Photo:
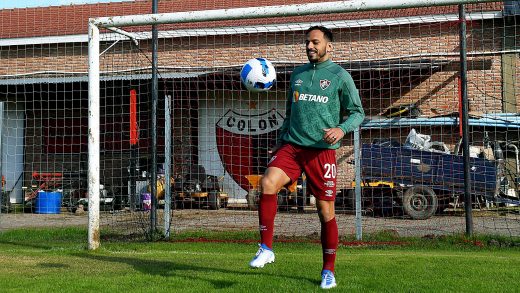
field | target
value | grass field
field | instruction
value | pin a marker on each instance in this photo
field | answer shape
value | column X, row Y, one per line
column 56, row 260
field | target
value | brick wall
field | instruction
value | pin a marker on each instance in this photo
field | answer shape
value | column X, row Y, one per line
column 436, row 94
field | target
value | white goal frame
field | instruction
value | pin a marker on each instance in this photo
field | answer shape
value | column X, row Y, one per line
column 114, row 24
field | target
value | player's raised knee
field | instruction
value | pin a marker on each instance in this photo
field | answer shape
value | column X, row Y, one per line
column 268, row 184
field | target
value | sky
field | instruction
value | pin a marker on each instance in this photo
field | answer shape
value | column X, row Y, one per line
column 43, row 3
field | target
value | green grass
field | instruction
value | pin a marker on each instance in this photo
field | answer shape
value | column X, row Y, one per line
column 57, row 261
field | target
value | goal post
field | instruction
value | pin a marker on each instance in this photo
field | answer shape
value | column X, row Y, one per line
column 93, row 180
column 118, row 23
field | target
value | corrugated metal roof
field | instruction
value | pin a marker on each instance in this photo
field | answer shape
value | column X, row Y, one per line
column 176, row 73
column 84, row 78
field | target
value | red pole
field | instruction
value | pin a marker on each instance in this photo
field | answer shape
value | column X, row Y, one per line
column 134, row 140
column 134, row 134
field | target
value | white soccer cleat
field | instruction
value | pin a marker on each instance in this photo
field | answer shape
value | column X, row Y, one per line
column 263, row 256
column 327, row 280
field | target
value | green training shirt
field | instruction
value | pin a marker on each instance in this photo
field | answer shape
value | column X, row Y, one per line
column 318, row 94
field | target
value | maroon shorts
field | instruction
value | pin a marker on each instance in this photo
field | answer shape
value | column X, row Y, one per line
column 319, row 166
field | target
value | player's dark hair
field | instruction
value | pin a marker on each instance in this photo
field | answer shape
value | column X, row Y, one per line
column 326, row 32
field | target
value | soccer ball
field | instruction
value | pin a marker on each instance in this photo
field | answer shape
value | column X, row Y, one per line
column 258, row 75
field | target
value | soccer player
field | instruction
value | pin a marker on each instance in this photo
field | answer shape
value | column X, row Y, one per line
column 319, row 92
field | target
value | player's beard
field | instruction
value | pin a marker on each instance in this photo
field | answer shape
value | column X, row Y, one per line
column 316, row 57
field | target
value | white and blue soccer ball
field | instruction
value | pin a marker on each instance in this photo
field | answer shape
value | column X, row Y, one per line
column 258, row 75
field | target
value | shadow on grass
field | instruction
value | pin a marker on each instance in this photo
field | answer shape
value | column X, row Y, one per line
column 53, row 265
column 169, row 268
column 27, row 245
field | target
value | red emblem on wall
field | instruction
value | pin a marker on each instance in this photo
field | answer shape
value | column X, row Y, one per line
column 243, row 142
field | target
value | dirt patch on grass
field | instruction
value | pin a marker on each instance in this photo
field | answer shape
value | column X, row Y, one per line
column 287, row 224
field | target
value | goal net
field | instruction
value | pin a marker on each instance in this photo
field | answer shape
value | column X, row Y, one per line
column 213, row 137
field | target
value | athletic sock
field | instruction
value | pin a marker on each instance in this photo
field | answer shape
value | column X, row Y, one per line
column 329, row 243
column 266, row 213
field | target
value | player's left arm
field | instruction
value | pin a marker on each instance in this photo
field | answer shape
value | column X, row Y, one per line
column 351, row 103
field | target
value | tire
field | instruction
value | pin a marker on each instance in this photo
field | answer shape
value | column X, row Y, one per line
column 344, row 199
column 214, row 200
column 300, row 203
column 177, row 202
column 252, row 199
column 282, row 202
column 420, row 202
column 350, row 199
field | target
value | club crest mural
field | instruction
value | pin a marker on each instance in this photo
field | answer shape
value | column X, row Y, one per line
column 243, row 142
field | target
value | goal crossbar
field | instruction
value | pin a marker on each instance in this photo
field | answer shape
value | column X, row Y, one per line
column 270, row 11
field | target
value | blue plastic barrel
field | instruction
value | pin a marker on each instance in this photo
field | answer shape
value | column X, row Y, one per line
column 48, row 202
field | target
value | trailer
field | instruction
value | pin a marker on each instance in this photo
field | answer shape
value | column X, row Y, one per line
column 424, row 182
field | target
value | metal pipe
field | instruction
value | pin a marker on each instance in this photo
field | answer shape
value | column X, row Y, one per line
column 109, row 47
column 468, row 202
column 131, row 36
column 271, row 11
column 357, row 164
column 155, row 97
column 167, row 163
column 1, row 156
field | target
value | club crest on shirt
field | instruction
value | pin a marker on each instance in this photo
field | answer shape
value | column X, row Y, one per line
column 324, row 83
